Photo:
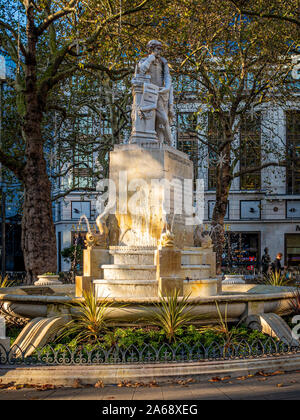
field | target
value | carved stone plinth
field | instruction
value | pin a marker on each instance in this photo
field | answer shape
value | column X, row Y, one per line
column 150, row 166
column 83, row 284
column 168, row 271
column 93, row 258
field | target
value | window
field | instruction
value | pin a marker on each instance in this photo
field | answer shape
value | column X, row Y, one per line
column 211, row 205
column 292, row 249
column 293, row 209
column 293, row 151
column 78, row 239
column 250, row 209
column 78, row 208
column 242, row 250
column 58, row 212
column 187, row 141
column 250, row 151
column 82, row 172
column 214, row 137
column 185, row 84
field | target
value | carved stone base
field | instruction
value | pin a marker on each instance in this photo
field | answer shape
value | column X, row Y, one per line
column 45, row 280
column 272, row 325
column 4, row 345
column 83, row 284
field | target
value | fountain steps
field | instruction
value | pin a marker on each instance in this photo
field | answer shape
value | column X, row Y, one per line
column 116, row 272
column 191, row 256
column 149, row 288
column 128, row 272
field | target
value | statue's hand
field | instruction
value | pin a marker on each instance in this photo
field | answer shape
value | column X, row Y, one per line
column 164, row 90
column 152, row 57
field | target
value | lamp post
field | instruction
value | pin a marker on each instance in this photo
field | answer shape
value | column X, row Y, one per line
column 2, row 192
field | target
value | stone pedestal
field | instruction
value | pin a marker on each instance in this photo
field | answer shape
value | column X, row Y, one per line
column 168, row 271
column 93, row 258
column 139, row 173
column 83, row 284
column 4, row 347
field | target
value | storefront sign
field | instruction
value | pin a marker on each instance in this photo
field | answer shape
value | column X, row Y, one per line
column 208, row 227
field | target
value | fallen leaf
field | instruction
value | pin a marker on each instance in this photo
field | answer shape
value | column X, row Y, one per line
column 153, row 384
column 77, row 383
column 99, row 384
column 215, row 379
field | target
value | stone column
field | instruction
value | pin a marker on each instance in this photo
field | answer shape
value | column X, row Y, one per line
column 93, row 258
column 168, row 272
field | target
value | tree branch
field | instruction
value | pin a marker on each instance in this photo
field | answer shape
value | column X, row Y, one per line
column 7, row 27
column 55, row 16
column 13, row 164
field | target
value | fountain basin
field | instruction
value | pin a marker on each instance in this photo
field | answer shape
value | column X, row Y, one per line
column 239, row 300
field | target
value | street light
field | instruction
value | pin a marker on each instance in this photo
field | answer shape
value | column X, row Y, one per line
column 2, row 192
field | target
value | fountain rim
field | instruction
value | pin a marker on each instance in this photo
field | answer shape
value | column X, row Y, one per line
column 226, row 298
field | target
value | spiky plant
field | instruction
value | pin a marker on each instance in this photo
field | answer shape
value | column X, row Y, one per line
column 4, row 282
column 90, row 321
column 276, row 278
column 171, row 314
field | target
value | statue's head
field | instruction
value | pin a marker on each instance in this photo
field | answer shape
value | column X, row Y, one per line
column 154, row 46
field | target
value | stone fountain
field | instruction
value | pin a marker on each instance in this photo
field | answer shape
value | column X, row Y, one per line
column 144, row 263
column 144, row 247
column 145, row 175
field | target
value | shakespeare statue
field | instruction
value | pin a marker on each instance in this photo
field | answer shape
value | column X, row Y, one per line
column 152, row 109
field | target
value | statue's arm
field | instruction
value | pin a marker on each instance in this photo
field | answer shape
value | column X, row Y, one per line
column 145, row 63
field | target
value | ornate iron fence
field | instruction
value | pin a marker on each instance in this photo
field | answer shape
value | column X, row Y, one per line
column 165, row 353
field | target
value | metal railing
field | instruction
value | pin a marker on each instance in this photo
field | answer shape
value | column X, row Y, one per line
column 165, row 353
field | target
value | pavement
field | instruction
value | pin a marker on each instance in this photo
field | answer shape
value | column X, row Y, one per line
column 275, row 386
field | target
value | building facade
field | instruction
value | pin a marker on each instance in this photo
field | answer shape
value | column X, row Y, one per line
column 263, row 207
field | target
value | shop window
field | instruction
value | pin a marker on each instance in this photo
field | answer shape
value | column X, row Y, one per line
column 292, row 250
column 242, row 250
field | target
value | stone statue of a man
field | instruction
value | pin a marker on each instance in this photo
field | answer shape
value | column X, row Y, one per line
column 157, row 68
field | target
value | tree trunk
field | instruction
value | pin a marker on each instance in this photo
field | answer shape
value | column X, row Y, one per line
column 223, row 177
column 38, row 232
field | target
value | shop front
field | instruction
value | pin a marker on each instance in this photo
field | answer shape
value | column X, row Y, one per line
column 242, row 250
column 292, row 249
